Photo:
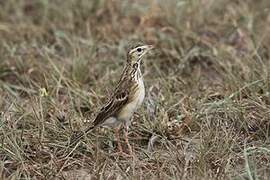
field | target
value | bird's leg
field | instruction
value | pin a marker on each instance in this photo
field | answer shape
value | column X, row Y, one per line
column 119, row 145
column 126, row 139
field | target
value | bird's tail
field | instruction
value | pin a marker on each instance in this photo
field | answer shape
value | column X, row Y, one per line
column 77, row 137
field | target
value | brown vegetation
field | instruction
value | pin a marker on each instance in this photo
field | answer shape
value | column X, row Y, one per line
column 207, row 109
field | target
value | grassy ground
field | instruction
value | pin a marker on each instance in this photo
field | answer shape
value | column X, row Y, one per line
column 206, row 114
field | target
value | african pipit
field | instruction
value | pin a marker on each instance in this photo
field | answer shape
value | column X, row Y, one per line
column 125, row 99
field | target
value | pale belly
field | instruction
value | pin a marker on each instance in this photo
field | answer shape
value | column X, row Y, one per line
column 130, row 108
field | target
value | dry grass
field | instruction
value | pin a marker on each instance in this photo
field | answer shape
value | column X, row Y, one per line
column 207, row 110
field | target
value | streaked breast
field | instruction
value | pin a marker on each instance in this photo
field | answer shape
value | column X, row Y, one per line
column 136, row 99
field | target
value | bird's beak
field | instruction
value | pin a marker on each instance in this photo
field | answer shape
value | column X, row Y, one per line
column 146, row 48
column 149, row 47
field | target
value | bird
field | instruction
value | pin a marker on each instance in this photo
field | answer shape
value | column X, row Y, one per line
column 125, row 100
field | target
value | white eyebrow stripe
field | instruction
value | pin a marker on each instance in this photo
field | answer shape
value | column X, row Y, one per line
column 135, row 49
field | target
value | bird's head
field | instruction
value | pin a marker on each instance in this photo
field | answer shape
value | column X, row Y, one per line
column 135, row 54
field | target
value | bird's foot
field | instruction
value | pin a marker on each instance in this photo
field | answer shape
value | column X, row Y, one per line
column 122, row 154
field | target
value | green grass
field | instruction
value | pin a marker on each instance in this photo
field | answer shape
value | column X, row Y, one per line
column 206, row 114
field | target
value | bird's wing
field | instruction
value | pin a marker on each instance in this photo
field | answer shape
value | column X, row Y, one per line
column 117, row 101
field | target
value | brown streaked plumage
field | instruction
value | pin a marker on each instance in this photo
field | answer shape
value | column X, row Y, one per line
column 125, row 99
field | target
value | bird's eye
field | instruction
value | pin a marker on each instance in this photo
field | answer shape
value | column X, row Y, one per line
column 139, row 49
